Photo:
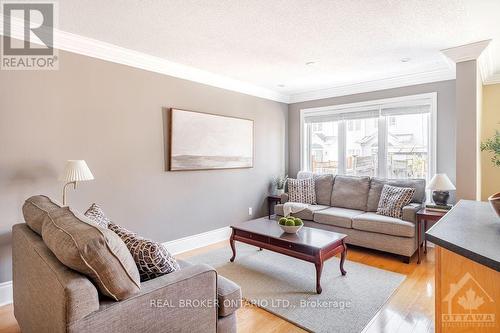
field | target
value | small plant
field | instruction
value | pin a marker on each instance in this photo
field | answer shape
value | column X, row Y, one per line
column 279, row 182
column 283, row 220
column 492, row 145
column 290, row 222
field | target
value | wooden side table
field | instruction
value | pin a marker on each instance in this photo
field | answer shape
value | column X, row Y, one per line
column 425, row 216
column 272, row 200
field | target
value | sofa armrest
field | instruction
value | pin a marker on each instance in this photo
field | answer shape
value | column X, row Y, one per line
column 410, row 212
column 183, row 301
column 47, row 294
column 284, row 198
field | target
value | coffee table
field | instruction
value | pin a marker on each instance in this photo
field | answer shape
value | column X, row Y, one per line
column 309, row 244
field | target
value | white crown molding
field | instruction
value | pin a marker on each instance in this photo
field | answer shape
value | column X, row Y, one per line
column 101, row 50
column 363, row 87
column 5, row 293
column 466, row 52
column 494, row 79
column 476, row 51
column 196, row 241
column 486, row 66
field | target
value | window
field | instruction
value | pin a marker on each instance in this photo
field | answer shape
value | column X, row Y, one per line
column 390, row 138
column 362, row 149
column 407, row 149
column 317, row 127
column 324, row 147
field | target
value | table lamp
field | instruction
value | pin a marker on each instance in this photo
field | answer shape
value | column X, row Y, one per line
column 440, row 184
column 75, row 171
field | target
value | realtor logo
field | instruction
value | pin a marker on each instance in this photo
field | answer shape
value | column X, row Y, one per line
column 468, row 305
column 28, row 36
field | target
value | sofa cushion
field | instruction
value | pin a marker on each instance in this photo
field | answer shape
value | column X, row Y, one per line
column 35, row 210
column 151, row 258
column 340, row 217
column 383, row 224
column 393, row 199
column 323, row 185
column 228, row 296
column 302, row 190
column 95, row 252
column 350, row 192
column 376, row 185
column 306, row 214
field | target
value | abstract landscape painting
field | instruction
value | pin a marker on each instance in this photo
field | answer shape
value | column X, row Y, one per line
column 202, row 141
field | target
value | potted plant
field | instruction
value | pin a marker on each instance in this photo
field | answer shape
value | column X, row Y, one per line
column 279, row 183
column 492, row 145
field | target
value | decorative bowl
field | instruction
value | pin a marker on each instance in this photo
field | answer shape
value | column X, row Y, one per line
column 291, row 229
column 495, row 203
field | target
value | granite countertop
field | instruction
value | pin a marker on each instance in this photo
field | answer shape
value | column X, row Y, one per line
column 470, row 229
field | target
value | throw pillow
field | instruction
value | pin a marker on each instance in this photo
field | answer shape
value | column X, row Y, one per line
column 152, row 258
column 35, row 210
column 95, row 252
column 96, row 214
column 393, row 199
column 302, row 190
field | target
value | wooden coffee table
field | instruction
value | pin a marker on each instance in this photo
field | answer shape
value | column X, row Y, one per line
column 309, row 244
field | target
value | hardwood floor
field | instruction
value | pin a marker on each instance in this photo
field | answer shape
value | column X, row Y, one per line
column 410, row 309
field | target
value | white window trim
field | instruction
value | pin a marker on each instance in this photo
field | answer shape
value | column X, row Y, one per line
column 335, row 109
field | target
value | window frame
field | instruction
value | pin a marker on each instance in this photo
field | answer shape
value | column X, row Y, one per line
column 383, row 128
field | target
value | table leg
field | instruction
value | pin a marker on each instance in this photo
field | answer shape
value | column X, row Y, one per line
column 342, row 258
column 269, row 209
column 319, row 268
column 425, row 238
column 419, row 234
column 233, row 248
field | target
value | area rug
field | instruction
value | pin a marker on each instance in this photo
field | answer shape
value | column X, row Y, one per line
column 286, row 287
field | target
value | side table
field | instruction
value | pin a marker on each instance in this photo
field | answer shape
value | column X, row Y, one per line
column 272, row 200
column 425, row 216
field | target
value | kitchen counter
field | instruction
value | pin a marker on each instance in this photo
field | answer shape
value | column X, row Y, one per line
column 472, row 230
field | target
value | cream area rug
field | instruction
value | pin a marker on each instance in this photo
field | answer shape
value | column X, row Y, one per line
column 286, row 287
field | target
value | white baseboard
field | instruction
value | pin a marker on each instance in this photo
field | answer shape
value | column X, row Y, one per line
column 5, row 293
column 175, row 247
column 196, row 241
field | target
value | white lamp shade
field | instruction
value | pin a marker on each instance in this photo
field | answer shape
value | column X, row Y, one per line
column 76, row 170
column 440, row 182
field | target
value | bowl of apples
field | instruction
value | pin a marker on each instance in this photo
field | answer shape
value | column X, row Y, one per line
column 290, row 225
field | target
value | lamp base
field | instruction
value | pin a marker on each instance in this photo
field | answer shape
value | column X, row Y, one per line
column 440, row 197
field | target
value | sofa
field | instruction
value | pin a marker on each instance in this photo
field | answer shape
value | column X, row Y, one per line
column 50, row 297
column 348, row 205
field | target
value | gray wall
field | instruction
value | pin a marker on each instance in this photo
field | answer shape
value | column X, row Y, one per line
column 445, row 120
column 111, row 116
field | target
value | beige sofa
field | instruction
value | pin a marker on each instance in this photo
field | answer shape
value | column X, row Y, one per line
column 50, row 297
column 348, row 205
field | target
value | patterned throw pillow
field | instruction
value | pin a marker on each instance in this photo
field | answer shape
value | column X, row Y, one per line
column 393, row 199
column 152, row 258
column 302, row 190
column 96, row 214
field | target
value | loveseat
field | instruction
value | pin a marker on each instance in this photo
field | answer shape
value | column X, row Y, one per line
column 348, row 204
column 50, row 297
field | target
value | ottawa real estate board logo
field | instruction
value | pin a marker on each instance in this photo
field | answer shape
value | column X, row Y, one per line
column 468, row 305
column 28, row 35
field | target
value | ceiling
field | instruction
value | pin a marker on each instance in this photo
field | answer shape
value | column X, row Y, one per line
column 269, row 43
